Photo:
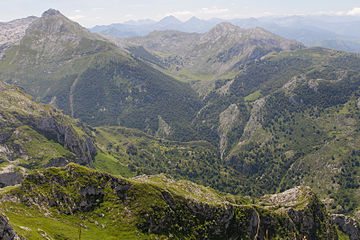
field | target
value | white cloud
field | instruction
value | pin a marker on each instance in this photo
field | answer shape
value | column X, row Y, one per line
column 129, row 16
column 138, row 5
column 181, row 13
column 78, row 11
column 77, row 17
column 333, row 13
column 214, row 10
column 202, row 13
column 353, row 12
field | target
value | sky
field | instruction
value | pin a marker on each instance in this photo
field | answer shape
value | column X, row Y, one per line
column 102, row 12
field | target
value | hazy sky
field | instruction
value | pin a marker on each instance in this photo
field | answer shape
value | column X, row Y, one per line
column 98, row 12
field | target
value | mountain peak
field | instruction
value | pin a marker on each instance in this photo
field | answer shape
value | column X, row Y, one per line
column 170, row 19
column 51, row 12
column 193, row 18
column 225, row 27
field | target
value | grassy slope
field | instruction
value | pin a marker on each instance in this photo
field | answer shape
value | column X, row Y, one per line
column 28, row 144
column 142, row 153
column 144, row 204
column 209, row 56
column 306, row 136
column 59, row 61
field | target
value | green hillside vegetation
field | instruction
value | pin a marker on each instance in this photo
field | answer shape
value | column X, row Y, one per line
column 60, row 62
column 86, row 204
column 34, row 135
column 268, row 120
column 145, row 154
column 306, row 129
column 209, row 56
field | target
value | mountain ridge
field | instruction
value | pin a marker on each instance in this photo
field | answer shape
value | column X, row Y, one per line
column 327, row 31
column 216, row 52
column 58, row 60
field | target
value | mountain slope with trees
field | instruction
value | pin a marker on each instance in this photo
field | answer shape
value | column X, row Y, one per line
column 59, row 62
column 273, row 115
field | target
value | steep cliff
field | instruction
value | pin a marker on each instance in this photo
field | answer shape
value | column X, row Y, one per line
column 6, row 230
column 34, row 135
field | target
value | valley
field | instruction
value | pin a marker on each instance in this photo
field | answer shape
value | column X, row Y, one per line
column 228, row 134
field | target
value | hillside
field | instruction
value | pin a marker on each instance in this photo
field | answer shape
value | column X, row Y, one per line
column 12, row 32
column 95, row 204
column 329, row 31
column 295, row 122
column 207, row 56
column 144, row 154
column 34, row 135
column 263, row 114
column 59, row 62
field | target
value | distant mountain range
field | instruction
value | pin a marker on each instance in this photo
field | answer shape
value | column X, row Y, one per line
column 218, row 52
column 334, row 32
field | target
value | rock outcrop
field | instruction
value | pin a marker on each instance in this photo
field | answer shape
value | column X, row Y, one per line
column 227, row 121
column 90, row 192
column 66, row 135
column 10, row 178
column 348, row 225
column 12, row 32
column 23, row 123
column 6, row 230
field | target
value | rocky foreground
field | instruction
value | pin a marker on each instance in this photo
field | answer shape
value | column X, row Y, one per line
column 158, row 207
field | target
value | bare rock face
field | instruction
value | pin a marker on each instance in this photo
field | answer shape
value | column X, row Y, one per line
column 10, row 178
column 66, row 136
column 55, row 34
column 348, row 225
column 255, row 120
column 164, row 129
column 17, row 110
column 12, row 32
column 6, row 230
column 228, row 120
column 306, row 211
column 51, row 12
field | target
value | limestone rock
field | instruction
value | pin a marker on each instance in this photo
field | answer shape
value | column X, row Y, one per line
column 347, row 225
column 6, row 230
